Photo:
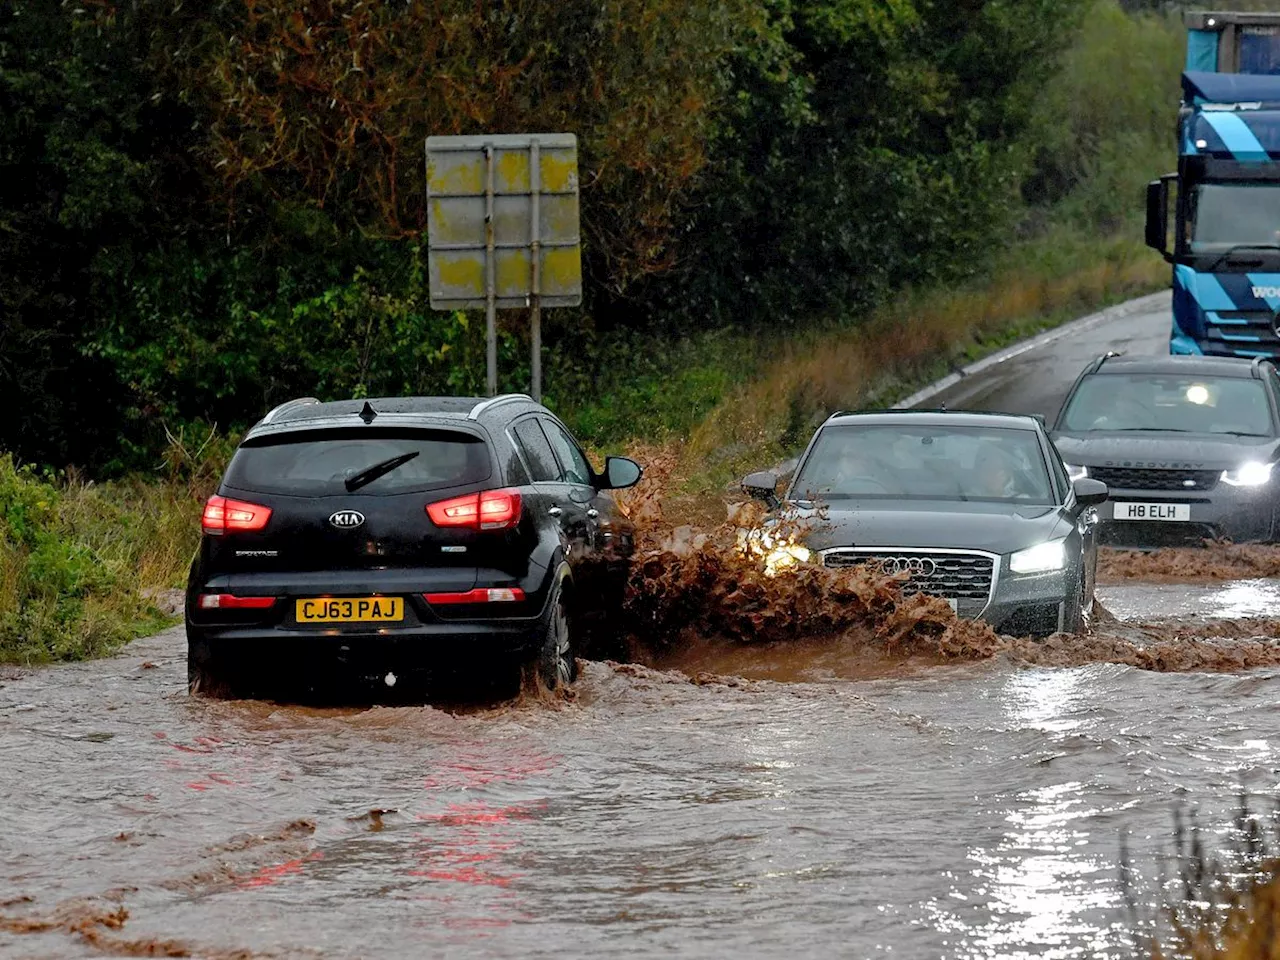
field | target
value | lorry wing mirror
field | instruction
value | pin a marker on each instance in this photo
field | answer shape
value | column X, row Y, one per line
column 1158, row 214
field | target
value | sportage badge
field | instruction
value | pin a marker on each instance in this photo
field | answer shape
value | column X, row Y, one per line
column 347, row 519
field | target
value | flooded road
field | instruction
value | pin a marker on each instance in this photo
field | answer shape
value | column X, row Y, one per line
column 952, row 811
column 810, row 798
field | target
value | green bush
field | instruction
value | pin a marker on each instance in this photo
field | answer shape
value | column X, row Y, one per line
column 71, row 558
column 234, row 201
column 1105, row 125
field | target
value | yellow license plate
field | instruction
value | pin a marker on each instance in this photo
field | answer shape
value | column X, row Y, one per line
column 350, row 610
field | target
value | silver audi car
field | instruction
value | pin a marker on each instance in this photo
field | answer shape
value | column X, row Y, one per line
column 975, row 508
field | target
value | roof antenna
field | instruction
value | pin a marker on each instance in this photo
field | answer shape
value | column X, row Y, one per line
column 943, row 406
column 368, row 413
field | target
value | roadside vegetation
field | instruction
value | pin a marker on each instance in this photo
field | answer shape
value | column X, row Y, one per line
column 765, row 239
column 1221, row 899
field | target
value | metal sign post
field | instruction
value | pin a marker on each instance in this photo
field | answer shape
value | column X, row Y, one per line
column 502, row 231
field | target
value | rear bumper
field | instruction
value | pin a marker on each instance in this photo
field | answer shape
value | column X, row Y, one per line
column 450, row 640
column 462, row 640
column 1238, row 514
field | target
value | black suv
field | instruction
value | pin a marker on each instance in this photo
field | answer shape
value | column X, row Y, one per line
column 1187, row 446
column 403, row 538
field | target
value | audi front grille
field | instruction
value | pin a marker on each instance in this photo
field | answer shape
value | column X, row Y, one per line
column 954, row 575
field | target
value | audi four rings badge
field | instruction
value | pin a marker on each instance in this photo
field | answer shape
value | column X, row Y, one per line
column 916, row 566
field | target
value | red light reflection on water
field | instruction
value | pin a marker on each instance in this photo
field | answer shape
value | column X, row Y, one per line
column 469, row 772
column 469, row 842
column 269, row 875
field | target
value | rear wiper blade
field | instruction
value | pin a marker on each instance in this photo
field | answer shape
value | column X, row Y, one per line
column 1232, row 250
column 1152, row 430
column 370, row 474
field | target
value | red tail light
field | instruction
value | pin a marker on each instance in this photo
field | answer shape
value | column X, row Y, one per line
column 486, row 510
column 233, row 516
column 229, row 601
column 481, row 595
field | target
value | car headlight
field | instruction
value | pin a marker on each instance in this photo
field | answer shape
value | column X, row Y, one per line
column 1252, row 474
column 779, row 552
column 784, row 557
column 1076, row 473
column 1042, row 558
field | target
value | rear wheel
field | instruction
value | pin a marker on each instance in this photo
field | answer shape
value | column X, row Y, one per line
column 557, row 661
column 207, row 674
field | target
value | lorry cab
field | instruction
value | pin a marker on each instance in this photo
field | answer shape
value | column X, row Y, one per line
column 1233, row 42
column 1225, row 244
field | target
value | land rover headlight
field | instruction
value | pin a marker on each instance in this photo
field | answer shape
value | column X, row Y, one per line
column 1075, row 472
column 1042, row 558
column 1252, row 474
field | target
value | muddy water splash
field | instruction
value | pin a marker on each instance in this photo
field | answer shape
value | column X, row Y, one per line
column 695, row 594
column 1213, row 562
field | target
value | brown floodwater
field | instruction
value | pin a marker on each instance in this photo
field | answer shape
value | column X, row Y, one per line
column 860, row 795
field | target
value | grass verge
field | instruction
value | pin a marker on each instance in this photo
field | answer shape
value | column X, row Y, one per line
column 81, row 563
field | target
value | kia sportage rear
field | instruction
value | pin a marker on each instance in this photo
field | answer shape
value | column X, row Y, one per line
column 397, row 540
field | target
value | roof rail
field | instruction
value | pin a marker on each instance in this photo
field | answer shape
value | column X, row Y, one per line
column 484, row 405
column 297, row 402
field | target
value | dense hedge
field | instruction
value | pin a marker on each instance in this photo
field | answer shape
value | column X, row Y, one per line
column 206, row 208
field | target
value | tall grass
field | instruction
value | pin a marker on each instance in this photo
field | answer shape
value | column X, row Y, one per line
column 1222, row 901
column 82, row 564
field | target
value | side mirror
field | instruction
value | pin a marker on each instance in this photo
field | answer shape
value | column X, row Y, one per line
column 1089, row 492
column 1157, row 233
column 762, row 486
column 620, row 473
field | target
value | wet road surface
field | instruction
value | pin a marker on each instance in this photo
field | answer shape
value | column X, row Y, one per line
column 806, row 799
column 1037, row 380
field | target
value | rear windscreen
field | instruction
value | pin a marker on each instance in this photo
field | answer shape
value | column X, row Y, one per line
column 316, row 463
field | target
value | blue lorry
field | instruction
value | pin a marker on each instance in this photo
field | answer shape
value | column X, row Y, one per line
column 1225, row 247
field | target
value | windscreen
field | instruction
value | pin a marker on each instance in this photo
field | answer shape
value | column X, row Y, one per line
column 319, row 463
column 905, row 462
column 1224, row 215
column 1169, row 403
column 1260, row 49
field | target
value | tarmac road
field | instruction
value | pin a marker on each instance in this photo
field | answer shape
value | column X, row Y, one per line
column 1034, row 377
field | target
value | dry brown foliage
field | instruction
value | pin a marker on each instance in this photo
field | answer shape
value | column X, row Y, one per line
column 318, row 101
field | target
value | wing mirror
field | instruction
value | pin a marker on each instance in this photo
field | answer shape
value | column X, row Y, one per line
column 620, row 473
column 762, row 485
column 1157, row 232
column 1089, row 492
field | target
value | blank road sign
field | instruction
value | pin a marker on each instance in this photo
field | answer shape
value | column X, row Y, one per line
column 458, row 200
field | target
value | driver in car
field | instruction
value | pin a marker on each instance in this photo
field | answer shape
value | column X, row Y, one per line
column 995, row 478
column 857, row 473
